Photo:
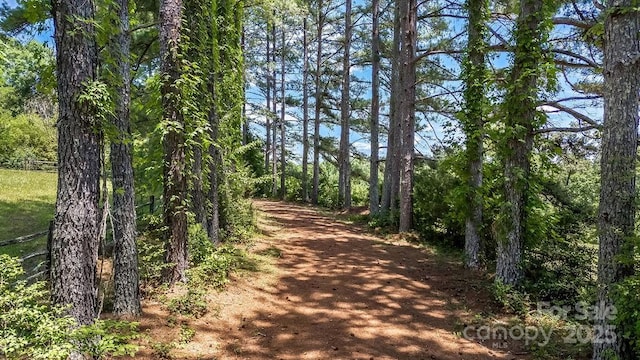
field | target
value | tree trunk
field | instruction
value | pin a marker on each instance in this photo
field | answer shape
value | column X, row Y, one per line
column 195, row 25
column 125, row 253
column 318, row 108
column 175, row 181
column 520, row 117
column 283, row 105
column 475, row 72
column 76, row 224
column 391, row 184
column 344, row 166
column 305, row 113
column 617, row 210
column 408, row 18
column 267, row 152
column 213, row 220
column 197, row 190
column 375, row 109
column 274, row 111
column 215, row 165
column 245, row 120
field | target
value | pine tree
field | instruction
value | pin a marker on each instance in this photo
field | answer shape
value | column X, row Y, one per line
column 125, row 253
column 76, row 225
column 475, row 75
column 175, row 180
column 617, row 211
column 374, row 201
column 406, row 107
column 520, row 118
column 344, row 157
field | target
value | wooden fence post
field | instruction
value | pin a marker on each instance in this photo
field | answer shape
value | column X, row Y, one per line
column 152, row 204
column 49, row 248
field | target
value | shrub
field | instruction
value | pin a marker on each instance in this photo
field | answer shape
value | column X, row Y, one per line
column 199, row 246
column 560, row 270
column 32, row 329
column 151, row 250
column 237, row 216
column 193, row 303
column 327, row 190
column 437, row 209
column 25, row 138
column 627, row 300
column 214, row 269
column 510, row 298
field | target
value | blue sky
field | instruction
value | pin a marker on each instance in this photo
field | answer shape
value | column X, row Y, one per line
column 44, row 37
column 360, row 141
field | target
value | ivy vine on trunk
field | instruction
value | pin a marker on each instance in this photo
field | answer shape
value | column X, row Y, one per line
column 475, row 75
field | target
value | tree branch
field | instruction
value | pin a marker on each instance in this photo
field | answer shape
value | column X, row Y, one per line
column 143, row 26
column 562, row 20
column 577, row 56
column 574, row 113
column 564, row 129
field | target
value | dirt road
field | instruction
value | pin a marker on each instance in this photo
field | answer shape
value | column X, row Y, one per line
column 338, row 293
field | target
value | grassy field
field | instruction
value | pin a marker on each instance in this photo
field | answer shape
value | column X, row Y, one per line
column 27, row 204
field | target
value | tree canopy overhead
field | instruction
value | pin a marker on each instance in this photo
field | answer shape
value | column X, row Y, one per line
column 503, row 129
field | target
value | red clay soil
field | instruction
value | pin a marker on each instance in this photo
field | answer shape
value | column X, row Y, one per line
column 336, row 293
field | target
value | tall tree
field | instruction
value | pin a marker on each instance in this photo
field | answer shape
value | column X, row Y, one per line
column 305, row 111
column 375, row 108
column 197, row 184
column 226, row 92
column 215, row 163
column 283, row 106
column 195, row 47
column 267, row 153
column 391, row 183
column 175, row 181
column 318, row 105
column 407, row 107
column 274, row 111
column 125, row 253
column 76, row 224
column 344, row 163
column 520, row 118
column 617, row 211
column 245, row 120
column 475, row 77
column 215, row 156
column 194, row 36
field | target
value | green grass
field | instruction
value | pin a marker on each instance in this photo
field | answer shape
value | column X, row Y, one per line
column 27, row 204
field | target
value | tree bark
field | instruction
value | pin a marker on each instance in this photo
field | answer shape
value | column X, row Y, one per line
column 76, row 224
column 318, row 108
column 475, row 94
column 215, row 164
column 391, row 184
column 175, row 181
column 283, row 105
column 196, row 27
column 344, row 166
column 305, row 112
column 267, row 152
column 274, row 111
column 520, row 117
column 408, row 18
column 197, row 189
column 617, row 210
column 125, row 253
column 245, row 120
column 374, row 201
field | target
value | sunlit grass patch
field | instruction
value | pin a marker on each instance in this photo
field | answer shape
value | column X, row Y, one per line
column 27, row 204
